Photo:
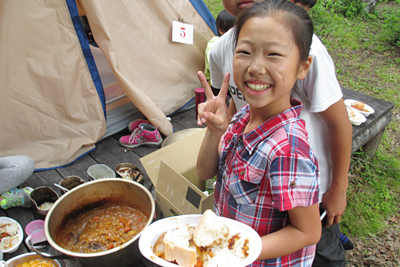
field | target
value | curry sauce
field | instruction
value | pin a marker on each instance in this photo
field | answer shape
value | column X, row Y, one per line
column 101, row 228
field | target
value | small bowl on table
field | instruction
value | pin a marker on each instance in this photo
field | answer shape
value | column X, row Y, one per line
column 130, row 172
column 355, row 117
column 100, row 171
column 366, row 111
column 70, row 182
column 20, row 234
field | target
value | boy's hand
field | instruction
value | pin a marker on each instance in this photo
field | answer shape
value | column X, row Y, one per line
column 213, row 112
column 334, row 202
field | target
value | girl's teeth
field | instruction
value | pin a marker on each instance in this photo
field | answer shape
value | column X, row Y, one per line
column 258, row 87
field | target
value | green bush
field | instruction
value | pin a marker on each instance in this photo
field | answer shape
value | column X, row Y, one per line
column 352, row 8
column 348, row 8
column 329, row 17
column 391, row 29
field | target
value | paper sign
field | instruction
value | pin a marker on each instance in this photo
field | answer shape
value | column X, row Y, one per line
column 182, row 32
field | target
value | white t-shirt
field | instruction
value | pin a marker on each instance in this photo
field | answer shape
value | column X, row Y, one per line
column 318, row 91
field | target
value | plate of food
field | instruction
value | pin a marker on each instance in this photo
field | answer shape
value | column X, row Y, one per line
column 355, row 116
column 361, row 107
column 11, row 235
column 200, row 240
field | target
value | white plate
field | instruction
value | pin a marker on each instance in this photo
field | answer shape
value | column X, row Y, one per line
column 349, row 102
column 20, row 234
column 357, row 119
column 151, row 233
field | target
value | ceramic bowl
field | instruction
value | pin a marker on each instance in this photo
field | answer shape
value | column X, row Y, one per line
column 20, row 234
column 355, row 116
column 366, row 111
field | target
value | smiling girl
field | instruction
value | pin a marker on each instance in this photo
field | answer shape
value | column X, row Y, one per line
column 267, row 173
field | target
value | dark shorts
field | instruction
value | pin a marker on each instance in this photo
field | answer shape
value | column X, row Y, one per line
column 330, row 251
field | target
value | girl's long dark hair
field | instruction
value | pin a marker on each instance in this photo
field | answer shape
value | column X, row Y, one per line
column 293, row 16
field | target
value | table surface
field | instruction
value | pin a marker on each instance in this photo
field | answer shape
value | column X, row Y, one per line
column 375, row 123
column 111, row 153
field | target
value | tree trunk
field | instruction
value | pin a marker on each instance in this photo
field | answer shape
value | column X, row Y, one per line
column 370, row 5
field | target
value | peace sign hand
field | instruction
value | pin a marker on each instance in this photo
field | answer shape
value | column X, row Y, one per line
column 213, row 112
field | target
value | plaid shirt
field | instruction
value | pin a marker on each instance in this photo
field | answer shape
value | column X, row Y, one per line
column 266, row 172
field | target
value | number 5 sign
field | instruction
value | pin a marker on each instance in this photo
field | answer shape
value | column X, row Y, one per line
column 182, row 32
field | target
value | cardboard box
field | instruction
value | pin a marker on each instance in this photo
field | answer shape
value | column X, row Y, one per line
column 172, row 170
column 164, row 207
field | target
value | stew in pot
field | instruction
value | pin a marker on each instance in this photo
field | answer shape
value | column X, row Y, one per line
column 101, row 228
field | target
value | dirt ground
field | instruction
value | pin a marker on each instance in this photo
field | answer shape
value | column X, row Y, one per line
column 382, row 249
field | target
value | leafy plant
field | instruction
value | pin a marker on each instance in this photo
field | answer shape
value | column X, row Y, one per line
column 391, row 28
column 348, row 8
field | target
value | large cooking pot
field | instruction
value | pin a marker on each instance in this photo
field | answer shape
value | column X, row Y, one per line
column 24, row 258
column 81, row 198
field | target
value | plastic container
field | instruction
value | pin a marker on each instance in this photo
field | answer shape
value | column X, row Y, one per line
column 35, row 232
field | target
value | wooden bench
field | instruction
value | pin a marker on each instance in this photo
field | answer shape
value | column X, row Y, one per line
column 369, row 134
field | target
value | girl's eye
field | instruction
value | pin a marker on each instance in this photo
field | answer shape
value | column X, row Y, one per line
column 243, row 52
column 273, row 54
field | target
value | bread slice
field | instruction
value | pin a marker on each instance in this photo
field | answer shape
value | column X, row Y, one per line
column 358, row 105
column 229, row 253
column 178, row 247
column 210, row 230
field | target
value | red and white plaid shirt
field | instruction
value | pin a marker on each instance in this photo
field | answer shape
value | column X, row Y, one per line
column 266, row 172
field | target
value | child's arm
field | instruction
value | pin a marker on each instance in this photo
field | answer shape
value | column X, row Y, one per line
column 214, row 114
column 305, row 230
column 340, row 138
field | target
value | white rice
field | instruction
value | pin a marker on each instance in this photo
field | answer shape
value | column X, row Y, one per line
column 46, row 206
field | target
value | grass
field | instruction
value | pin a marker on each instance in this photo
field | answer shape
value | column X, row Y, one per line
column 366, row 50
column 373, row 194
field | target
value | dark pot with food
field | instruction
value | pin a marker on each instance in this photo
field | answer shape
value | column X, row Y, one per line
column 99, row 223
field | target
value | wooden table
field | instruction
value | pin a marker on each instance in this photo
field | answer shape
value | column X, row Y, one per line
column 369, row 134
column 111, row 153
